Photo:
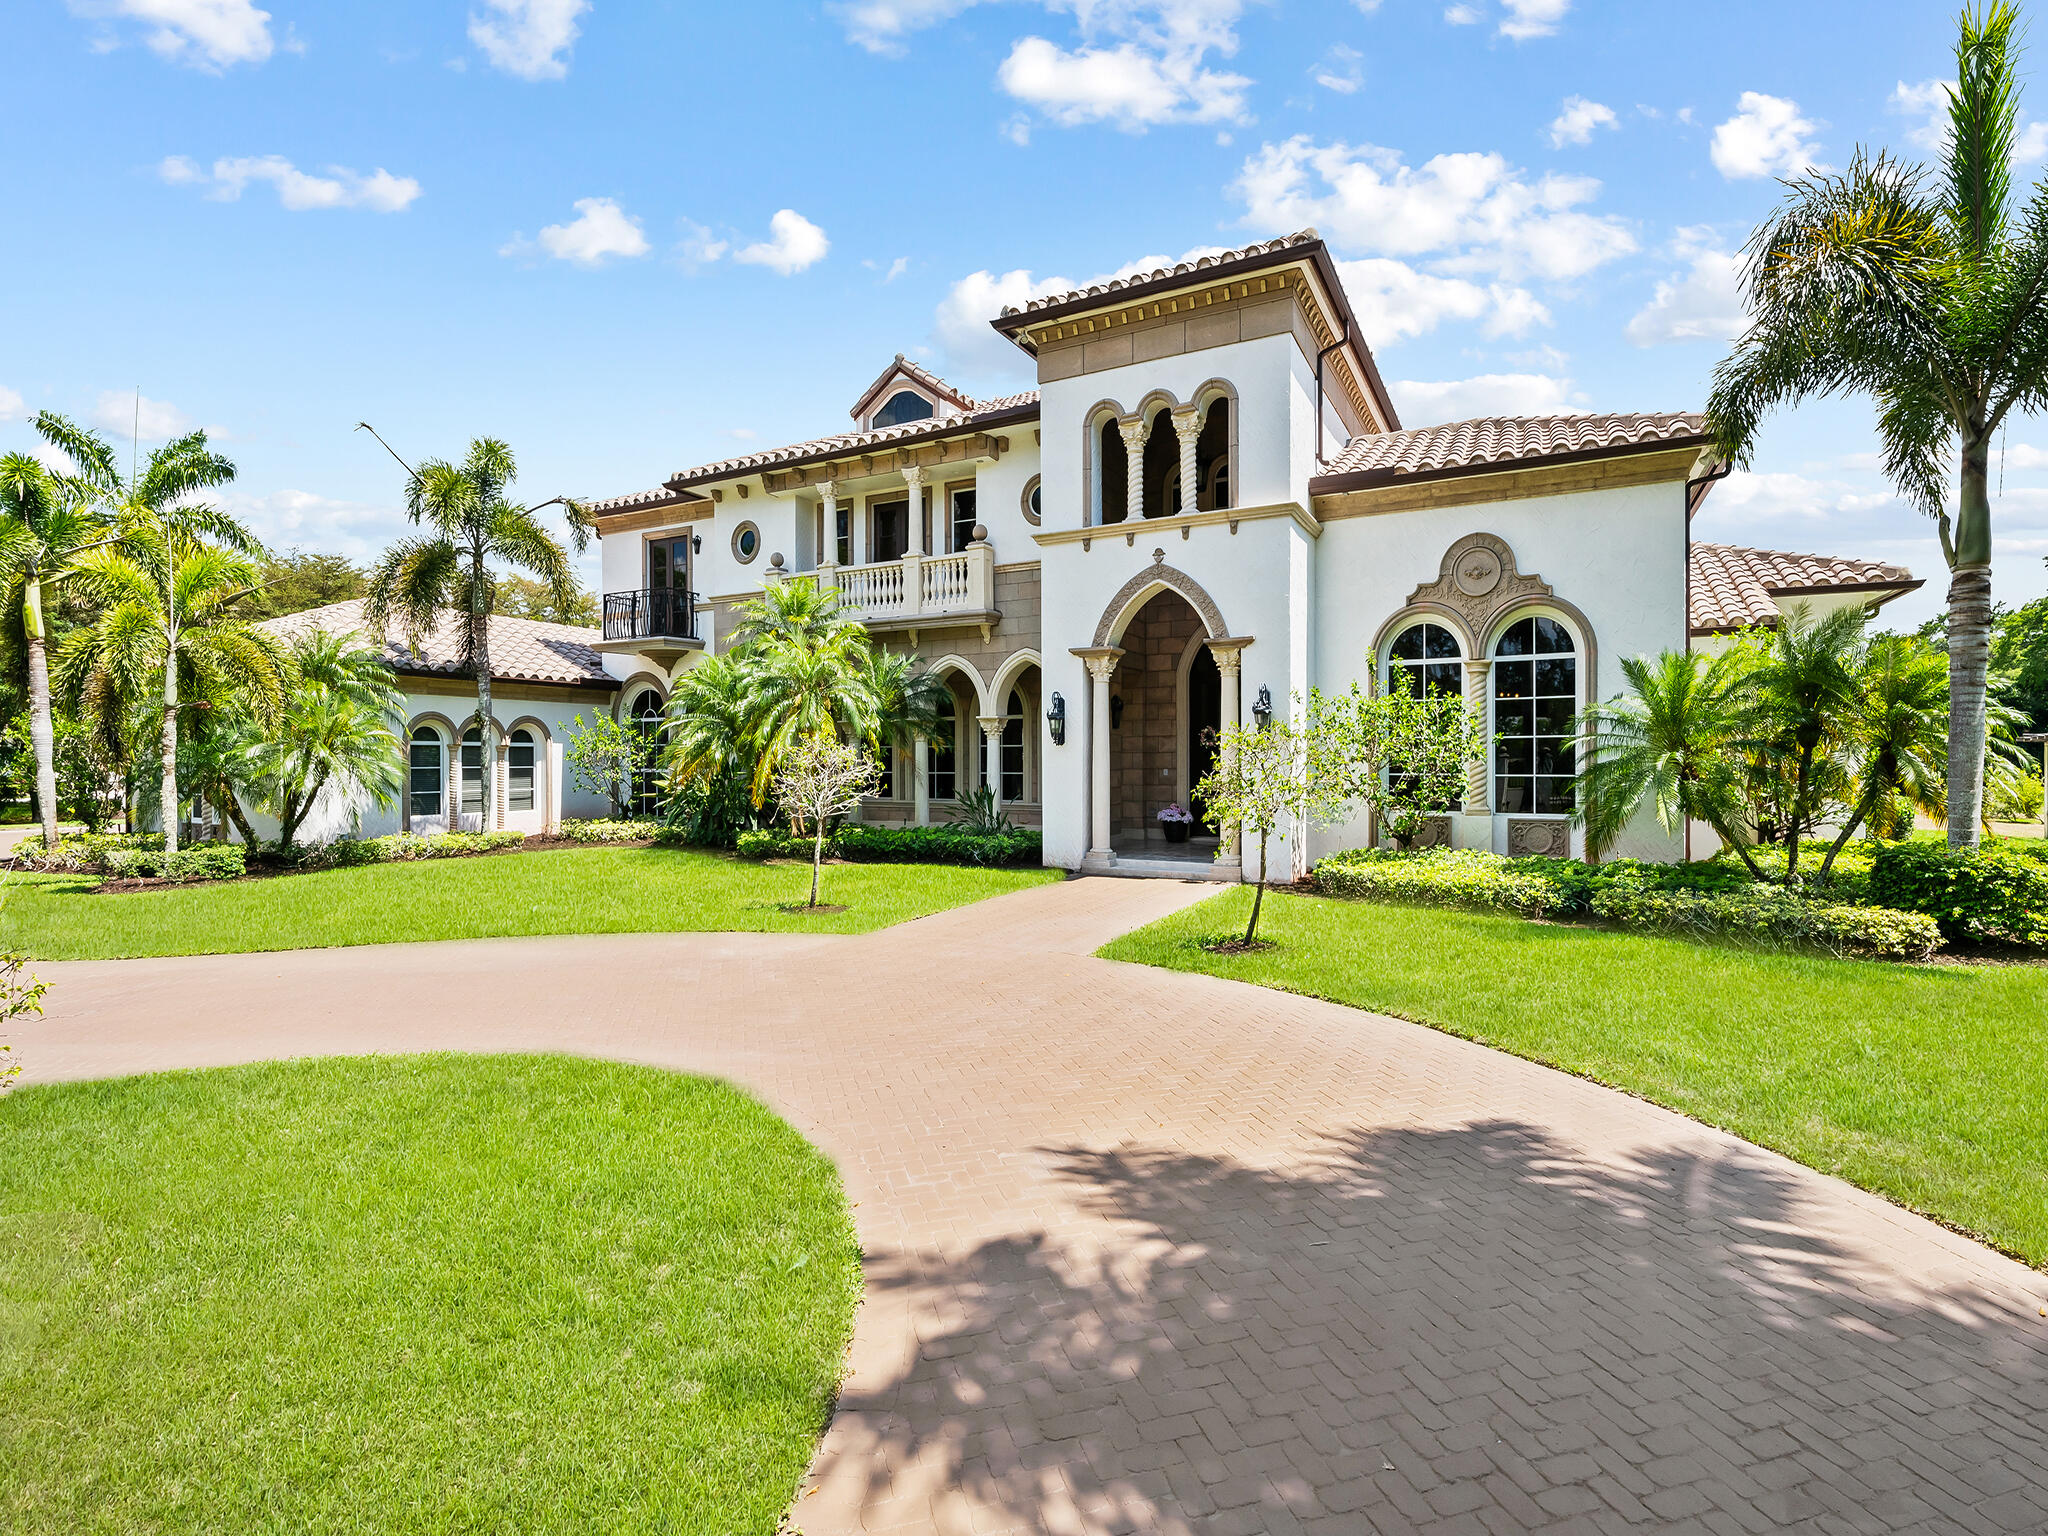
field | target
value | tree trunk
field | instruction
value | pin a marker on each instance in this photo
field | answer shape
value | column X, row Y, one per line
column 169, row 815
column 1969, row 644
column 1259, row 895
column 1827, row 865
column 486, row 726
column 817, row 858
column 1798, row 814
column 42, row 733
column 231, row 810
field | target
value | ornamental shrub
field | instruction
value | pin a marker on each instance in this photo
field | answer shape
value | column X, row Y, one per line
column 1439, row 877
column 1987, row 894
column 944, row 844
column 349, row 852
column 611, row 830
column 1770, row 917
column 773, row 843
column 83, row 852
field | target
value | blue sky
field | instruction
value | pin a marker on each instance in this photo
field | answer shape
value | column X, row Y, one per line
column 631, row 237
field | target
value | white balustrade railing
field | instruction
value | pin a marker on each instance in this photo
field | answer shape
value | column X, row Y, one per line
column 917, row 586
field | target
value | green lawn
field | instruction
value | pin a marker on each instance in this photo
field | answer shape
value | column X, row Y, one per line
column 1924, row 1083
column 443, row 1293
column 578, row 890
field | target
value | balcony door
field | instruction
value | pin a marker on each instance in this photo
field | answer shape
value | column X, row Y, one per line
column 668, row 583
column 888, row 530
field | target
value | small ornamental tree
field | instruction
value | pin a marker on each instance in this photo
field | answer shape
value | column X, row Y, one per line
column 607, row 757
column 1270, row 777
column 821, row 777
column 1402, row 753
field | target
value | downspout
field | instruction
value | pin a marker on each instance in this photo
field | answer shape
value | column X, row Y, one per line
column 1338, row 345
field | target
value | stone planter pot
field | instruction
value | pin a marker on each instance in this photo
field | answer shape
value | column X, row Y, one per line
column 1176, row 831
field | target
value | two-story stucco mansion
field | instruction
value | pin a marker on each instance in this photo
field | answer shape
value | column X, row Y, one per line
column 1208, row 506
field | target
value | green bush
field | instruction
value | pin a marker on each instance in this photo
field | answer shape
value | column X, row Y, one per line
column 611, row 830
column 349, row 852
column 1770, row 917
column 1439, row 877
column 134, row 856
column 773, row 843
column 83, row 852
column 1987, row 894
column 944, row 844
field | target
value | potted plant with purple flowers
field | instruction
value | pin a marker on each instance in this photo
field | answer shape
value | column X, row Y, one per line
column 1176, row 821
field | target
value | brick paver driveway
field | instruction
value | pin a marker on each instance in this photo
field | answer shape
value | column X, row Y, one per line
column 1151, row 1252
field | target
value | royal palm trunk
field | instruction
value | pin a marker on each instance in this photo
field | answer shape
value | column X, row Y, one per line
column 480, row 647
column 1969, row 644
column 170, row 750
column 42, row 733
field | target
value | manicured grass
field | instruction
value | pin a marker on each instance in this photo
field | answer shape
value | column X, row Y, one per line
column 431, row 1293
column 578, row 890
column 1924, row 1083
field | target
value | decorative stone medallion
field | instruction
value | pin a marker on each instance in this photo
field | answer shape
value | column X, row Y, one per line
column 1478, row 571
column 1477, row 580
column 1548, row 839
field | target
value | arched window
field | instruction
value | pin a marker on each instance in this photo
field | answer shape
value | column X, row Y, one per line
column 1425, row 656
column 472, row 772
column 428, row 776
column 1212, row 458
column 519, row 764
column 646, row 714
column 939, row 779
column 1162, row 463
column 903, row 406
column 1112, row 473
column 1535, row 695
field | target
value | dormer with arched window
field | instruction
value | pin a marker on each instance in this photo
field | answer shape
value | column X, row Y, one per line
column 904, row 393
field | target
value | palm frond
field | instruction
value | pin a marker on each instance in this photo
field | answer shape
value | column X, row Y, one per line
column 1983, row 113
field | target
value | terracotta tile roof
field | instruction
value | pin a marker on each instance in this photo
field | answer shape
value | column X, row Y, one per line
column 977, row 411
column 1734, row 587
column 1179, row 269
column 1503, row 440
column 920, row 374
column 522, row 650
column 631, row 501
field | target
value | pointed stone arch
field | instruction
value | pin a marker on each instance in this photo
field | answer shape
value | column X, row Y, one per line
column 1158, row 577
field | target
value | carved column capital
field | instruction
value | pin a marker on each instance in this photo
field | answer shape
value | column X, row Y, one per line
column 1101, row 660
column 1133, row 429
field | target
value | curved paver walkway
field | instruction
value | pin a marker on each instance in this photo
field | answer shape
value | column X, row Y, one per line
column 1153, row 1252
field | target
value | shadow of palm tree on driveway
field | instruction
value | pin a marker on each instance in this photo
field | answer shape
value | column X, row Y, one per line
column 1470, row 1329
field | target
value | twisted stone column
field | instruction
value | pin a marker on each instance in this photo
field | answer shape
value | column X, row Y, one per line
column 1187, row 426
column 1133, row 430
column 1477, row 774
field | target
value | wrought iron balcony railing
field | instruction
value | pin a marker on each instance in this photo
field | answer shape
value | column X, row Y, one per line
column 651, row 613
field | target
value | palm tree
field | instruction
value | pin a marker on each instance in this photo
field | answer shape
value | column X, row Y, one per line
column 470, row 522
column 1806, row 691
column 907, row 699
column 797, row 690
column 1932, row 300
column 168, row 609
column 46, row 520
column 795, row 610
column 1674, row 741
column 1899, row 735
column 339, row 731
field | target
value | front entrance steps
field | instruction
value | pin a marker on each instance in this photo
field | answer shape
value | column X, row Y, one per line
column 1139, row 858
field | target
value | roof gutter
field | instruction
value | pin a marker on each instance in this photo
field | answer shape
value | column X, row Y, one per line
column 952, row 427
column 1374, row 479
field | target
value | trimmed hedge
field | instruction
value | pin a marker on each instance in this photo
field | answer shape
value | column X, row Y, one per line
column 83, row 852
column 1770, row 917
column 867, row 844
column 134, row 856
column 399, row 847
column 612, row 830
column 1976, row 894
column 1439, row 877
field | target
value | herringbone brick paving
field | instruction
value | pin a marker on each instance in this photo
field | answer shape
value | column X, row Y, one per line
column 1155, row 1252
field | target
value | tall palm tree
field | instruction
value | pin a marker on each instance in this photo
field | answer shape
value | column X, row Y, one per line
column 1673, row 740
column 168, row 610
column 158, row 523
column 1807, row 692
column 46, row 520
column 1934, row 301
column 470, row 521
column 797, row 690
column 1899, row 735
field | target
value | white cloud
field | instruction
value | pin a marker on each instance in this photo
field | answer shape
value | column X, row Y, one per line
column 600, row 231
column 297, row 190
column 1473, row 212
column 793, row 244
column 1765, row 137
column 1394, row 301
column 120, row 413
column 1532, row 18
column 527, row 38
column 699, row 246
column 1339, row 70
column 1769, row 499
column 285, row 519
column 12, row 406
column 205, row 34
column 961, row 326
column 1577, row 122
column 881, row 25
column 1927, row 104
column 1702, row 303
column 1425, row 403
column 1462, row 15
column 1127, row 85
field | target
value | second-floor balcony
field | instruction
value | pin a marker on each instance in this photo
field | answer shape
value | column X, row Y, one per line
column 665, row 618
column 918, row 591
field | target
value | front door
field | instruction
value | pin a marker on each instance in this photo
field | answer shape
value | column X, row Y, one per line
column 1205, row 718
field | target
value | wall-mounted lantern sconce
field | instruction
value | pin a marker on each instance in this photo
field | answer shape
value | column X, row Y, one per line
column 1262, row 707
column 1056, row 720
column 1116, row 711
column 696, row 543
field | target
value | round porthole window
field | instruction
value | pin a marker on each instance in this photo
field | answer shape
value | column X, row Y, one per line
column 1031, row 502
column 746, row 543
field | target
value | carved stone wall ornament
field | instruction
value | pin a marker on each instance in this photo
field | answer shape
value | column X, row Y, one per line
column 1477, row 581
column 1547, row 839
column 1159, row 574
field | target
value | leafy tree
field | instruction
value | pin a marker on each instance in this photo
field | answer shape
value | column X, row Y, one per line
column 821, row 777
column 297, row 580
column 1268, row 777
column 1932, row 300
column 470, row 521
column 522, row 598
column 796, row 612
column 607, row 757
column 340, row 731
column 1403, row 753
column 47, row 519
column 2019, row 661
column 1676, row 740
